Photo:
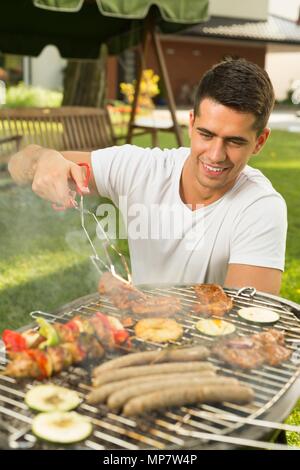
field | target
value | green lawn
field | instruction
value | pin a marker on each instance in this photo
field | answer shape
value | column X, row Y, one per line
column 44, row 257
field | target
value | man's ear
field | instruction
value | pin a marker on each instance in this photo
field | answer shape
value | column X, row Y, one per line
column 261, row 140
column 191, row 122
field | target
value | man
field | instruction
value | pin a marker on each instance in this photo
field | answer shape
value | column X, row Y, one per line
column 234, row 222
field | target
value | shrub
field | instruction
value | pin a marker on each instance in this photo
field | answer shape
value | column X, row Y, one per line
column 23, row 95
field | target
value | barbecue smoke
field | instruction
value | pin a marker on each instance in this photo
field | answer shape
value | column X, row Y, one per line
column 43, row 253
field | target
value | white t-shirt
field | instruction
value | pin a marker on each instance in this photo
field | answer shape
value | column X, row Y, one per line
column 170, row 243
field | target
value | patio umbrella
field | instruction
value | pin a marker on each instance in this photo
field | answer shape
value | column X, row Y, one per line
column 79, row 27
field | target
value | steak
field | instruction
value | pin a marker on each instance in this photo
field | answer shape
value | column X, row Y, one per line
column 125, row 296
column 212, row 300
column 249, row 352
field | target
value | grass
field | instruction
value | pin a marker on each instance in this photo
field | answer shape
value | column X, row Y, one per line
column 44, row 258
column 280, row 162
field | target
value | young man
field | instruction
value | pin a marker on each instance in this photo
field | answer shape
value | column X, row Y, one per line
column 229, row 224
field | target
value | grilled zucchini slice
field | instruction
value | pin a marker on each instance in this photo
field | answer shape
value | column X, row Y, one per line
column 214, row 327
column 262, row 316
column 50, row 397
column 61, row 427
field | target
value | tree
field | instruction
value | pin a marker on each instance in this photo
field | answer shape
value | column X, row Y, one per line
column 85, row 81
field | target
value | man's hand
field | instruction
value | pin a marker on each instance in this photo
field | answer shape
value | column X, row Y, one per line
column 52, row 176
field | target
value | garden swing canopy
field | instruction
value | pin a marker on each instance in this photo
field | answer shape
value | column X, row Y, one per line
column 79, row 27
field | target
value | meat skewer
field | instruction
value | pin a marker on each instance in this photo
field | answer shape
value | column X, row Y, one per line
column 63, row 345
column 109, row 331
column 34, row 363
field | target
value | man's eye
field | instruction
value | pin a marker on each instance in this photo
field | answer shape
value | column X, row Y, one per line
column 235, row 143
column 205, row 136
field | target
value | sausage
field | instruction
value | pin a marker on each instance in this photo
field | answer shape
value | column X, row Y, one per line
column 188, row 395
column 127, row 372
column 120, row 397
column 197, row 353
column 100, row 394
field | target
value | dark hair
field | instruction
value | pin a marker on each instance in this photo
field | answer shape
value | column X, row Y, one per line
column 241, row 85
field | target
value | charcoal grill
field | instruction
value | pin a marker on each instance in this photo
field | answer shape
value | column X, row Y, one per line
column 193, row 427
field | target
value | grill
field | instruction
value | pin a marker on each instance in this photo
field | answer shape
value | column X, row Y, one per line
column 186, row 427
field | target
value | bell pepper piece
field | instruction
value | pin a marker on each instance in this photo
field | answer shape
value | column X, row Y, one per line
column 42, row 361
column 120, row 336
column 48, row 332
column 13, row 341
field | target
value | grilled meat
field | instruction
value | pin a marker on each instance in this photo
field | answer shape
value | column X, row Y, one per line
column 212, row 300
column 188, row 395
column 162, row 306
column 101, row 393
column 253, row 351
column 196, row 353
column 33, row 363
column 138, row 371
column 62, row 345
column 120, row 293
column 119, row 398
column 127, row 297
column 108, row 330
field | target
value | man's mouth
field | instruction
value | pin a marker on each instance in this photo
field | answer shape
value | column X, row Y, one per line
column 213, row 170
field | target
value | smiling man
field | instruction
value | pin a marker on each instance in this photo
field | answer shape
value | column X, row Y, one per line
column 224, row 221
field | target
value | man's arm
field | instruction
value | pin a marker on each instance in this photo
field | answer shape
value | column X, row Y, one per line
column 52, row 174
column 263, row 279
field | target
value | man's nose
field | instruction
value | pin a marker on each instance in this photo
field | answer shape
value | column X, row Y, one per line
column 217, row 151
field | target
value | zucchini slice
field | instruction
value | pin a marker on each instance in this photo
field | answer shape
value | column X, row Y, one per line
column 50, row 397
column 214, row 327
column 61, row 427
column 259, row 315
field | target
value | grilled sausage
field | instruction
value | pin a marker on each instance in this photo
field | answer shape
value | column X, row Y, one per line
column 188, row 395
column 127, row 372
column 101, row 393
column 197, row 353
column 121, row 397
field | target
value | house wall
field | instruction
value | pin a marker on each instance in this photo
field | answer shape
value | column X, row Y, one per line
column 254, row 9
column 288, row 9
column 283, row 66
column 187, row 60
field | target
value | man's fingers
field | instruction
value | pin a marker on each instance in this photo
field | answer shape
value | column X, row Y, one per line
column 54, row 180
column 65, row 197
column 55, row 191
column 79, row 176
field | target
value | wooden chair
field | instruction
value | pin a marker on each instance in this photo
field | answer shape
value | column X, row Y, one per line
column 65, row 128
column 8, row 145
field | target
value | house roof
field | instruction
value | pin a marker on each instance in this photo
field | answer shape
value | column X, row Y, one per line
column 274, row 30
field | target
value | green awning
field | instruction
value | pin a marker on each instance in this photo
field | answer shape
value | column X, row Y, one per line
column 175, row 11
column 79, row 27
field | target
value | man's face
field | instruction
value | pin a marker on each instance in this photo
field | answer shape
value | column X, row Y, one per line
column 222, row 141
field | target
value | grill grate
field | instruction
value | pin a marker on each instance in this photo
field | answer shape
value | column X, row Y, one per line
column 158, row 431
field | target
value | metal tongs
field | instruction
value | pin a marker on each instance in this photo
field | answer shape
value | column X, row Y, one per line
column 107, row 244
